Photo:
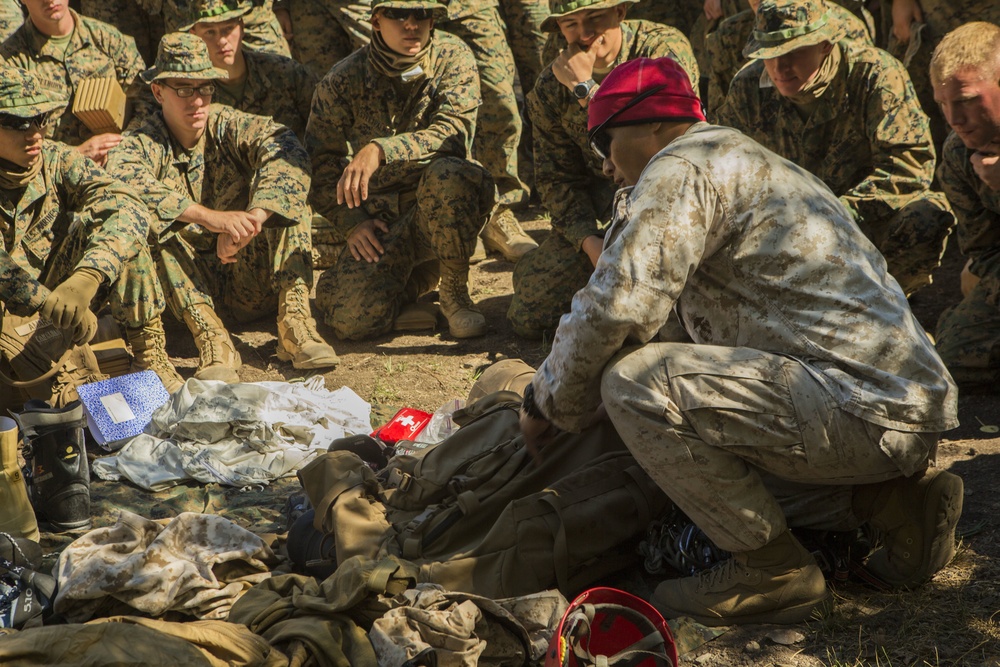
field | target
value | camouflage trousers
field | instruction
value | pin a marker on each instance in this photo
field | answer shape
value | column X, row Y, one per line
column 498, row 123
column 523, row 19
column 135, row 297
column 191, row 272
column 746, row 442
column 327, row 31
column 913, row 240
column 968, row 336
column 361, row 299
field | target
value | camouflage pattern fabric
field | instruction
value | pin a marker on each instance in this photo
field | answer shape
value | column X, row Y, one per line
column 275, row 86
column 724, row 48
column 243, row 162
column 359, row 299
column 129, row 17
column 968, row 334
column 95, row 50
column 74, row 215
column 11, row 18
column 751, row 274
column 262, row 32
column 869, row 141
column 434, row 200
column 413, row 123
column 523, row 19
column 327, row 31
column 571, row 184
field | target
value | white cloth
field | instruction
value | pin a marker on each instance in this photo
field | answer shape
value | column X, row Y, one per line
column 237, row 434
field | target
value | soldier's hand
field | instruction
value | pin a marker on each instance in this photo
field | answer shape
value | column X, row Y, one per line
column 713, row 9
column 905, row 12
column 240, row 225
column 987, row 166
column 592, row 247
column 537, row 433
column 68, row 305
column 574, row 64
column 363, row 240
column 226, row 247
column 97, row 147
column 352, row 188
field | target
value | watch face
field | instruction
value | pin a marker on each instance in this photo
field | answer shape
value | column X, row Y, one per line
column 581, row 90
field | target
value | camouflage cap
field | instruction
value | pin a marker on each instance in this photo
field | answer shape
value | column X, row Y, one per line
column 182, row 55
column 214, row 11
column 561, row 8
column 785, row 25
column 22, row 95
column 440, row 10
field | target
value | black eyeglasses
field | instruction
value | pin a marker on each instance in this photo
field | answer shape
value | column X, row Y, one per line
column 600, row 140
column 205, row 90
column 400, row 14
column 18, row 124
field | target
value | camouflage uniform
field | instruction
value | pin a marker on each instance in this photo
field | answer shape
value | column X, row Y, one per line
column 243, row 162
column 432, row 197
column 968, row 334
column 95, row 50
column 868, row 140
column 262, row 32
column 572, row 187
column 782, row 377
column 523, row 19
column 724, row 49
column 327, row 31
column 74, row 215
column 11, row 18
column 131, row 18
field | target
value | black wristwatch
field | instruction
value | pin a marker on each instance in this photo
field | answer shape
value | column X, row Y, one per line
column 582, row 90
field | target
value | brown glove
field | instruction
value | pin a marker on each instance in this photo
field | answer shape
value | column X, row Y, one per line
column 68, row 306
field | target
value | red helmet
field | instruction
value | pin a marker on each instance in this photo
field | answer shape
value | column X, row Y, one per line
column 614, row 624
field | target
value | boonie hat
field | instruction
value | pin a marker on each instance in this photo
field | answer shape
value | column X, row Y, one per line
column 440, row 10
column 214, row 11
column 560, row 8
column 182, row 55
column 643, row 90
column 785, row 25
column 22, row 95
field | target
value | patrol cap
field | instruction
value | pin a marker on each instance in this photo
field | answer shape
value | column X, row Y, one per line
column 22, row 95
column 561, row 8
column 440, row 10
column 643, row 90
column 214, row 11
column 785, row 25
column 182, row 55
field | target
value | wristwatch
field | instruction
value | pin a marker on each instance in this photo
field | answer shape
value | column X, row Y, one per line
column 582, row 90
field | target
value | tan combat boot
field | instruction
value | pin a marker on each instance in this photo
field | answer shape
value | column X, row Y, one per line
column 415, row 316
column 298, row 340
column 778, row 583
column 916, row 517
column 149, row 352
column 504, row 234
column 218, row 358
column 464, row 319
column 17, row 517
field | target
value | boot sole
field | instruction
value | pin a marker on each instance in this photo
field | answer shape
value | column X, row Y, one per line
column 326, row 362
column 469, row 333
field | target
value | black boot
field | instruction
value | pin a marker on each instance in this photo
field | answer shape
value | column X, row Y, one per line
column 58, row 473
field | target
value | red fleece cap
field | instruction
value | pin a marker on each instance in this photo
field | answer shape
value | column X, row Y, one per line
column 674, row 99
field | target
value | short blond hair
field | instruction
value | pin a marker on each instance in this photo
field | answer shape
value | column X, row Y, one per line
column 973, row 46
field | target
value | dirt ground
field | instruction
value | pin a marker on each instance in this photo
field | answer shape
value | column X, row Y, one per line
column 953, row 620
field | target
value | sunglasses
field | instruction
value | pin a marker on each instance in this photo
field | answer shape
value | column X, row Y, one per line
column 600, row 140
column 400, row 14
column 18, row 124
column 205, row 90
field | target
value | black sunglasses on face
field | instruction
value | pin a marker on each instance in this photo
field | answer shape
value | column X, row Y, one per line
column 205, row 90
column 399, row 14
column 18, row 124
column 600, row 140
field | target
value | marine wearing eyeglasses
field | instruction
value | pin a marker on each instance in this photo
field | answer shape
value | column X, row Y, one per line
column 227, row 191
column 73, row 236
column 567, row 174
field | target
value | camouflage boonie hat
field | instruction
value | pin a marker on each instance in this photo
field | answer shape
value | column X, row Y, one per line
column 561, row 8
column 22, row 95
column 215, row 11
column 182, row 55
column 785, row 25
column 440, row 10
